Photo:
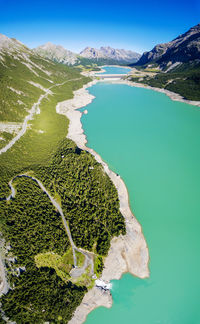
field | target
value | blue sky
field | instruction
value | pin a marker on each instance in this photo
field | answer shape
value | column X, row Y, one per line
column 136, row 25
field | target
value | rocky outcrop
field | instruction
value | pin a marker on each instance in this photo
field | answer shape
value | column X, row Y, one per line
column 119, row 55
column 183, row 49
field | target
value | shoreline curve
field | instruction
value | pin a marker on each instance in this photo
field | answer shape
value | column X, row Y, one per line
column 172, row 95
column 127, row 253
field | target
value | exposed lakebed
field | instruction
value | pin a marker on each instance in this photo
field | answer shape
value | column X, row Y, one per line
column 153, row 143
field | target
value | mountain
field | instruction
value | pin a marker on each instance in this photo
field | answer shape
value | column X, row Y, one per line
column 10, row 45
column 104, row 55
column 24, row 76
column 57, row 53
column 183, row 49
column 177, row 65
column 109, row 53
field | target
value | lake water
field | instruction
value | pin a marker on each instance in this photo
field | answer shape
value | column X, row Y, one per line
column 154, row 144
column 115, row 70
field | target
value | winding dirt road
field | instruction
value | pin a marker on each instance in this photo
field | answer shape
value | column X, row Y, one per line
column 32, row 112
column 77, row 271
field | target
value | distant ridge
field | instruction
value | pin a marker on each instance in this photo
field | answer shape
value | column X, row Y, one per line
column 104, row 55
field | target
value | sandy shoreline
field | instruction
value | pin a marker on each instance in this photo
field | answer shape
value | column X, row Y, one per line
column 128, row 253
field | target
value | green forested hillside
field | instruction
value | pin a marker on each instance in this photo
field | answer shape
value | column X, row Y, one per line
column 87, row 195
column 184, row 81
column 29, row 224
column 24, row 77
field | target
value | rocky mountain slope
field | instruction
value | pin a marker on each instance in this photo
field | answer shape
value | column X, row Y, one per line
column 10, row 44
column 118, row 55
column 178, row 64
column 24, row 77
column 183, row 49
column 57, row 53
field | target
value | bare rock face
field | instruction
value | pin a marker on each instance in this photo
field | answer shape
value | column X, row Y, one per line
column 108, row 52
column 91, row 53
column 183, row 49
column 57, row 53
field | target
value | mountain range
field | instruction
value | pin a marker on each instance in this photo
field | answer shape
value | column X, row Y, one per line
column 178, row 61
column 104, row 55
column 185, row 49
column 119, row 55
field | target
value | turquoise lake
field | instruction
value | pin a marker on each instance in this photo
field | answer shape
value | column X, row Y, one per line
column 154, row 144
column 115, row 70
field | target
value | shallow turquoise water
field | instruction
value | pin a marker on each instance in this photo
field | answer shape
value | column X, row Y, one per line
column 153, row 143
column 115, row 70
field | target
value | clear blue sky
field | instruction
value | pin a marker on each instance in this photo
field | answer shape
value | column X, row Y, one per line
column 75, row 24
